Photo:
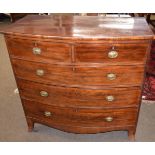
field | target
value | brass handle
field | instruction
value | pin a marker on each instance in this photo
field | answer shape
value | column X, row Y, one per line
column 43, row 93
column 109, row 119
column 36, row 50
column 39, row 72
column 113, row 54
column 47, row 113
column 110, row 98
column 111, row 76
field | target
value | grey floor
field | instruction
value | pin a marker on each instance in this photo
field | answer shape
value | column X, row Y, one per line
column 13, row 126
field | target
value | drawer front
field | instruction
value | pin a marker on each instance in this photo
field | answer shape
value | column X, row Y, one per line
column 40, row 51
column 79, row 76
column 81, row 117
column 76, row 97
column 122, row 53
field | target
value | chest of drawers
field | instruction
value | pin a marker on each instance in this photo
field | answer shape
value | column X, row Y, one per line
column 80, row 74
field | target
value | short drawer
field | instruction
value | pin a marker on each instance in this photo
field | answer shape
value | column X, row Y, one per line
column 76, row 97
column 111, row 53
column 79, row 76
column 39, row 51
column 80, row 117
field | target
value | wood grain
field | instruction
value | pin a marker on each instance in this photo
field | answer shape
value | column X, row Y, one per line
column 76, row 97
column 80, row 27
column 50, row 51
column 82, row 117
column 98, row 53
column 79, row 76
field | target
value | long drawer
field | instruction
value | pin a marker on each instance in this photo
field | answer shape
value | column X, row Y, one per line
column 40, row 51
column 79, row 76
column 81, row 117
column 76, row 97
column 112, row 53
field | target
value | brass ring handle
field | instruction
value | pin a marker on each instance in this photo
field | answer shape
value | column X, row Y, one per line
column 36, row 51
column 113, row 54
column 43, row 93
column 110, row 98
column 111, row 76
column 47, row 113
column 109, row 119
column 39, row 72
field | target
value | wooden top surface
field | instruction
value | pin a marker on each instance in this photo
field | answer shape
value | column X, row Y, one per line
column 81, row 27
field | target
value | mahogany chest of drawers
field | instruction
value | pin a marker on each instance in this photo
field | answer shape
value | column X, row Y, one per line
column 80, row 74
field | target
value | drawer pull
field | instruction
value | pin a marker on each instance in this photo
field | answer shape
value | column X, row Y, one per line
column 110, row 98
column 39, row 72
column 109, row 119
column 36, row 50
column 113, row 54
column 111, row 76
column 43, row 93
column 47, row 113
